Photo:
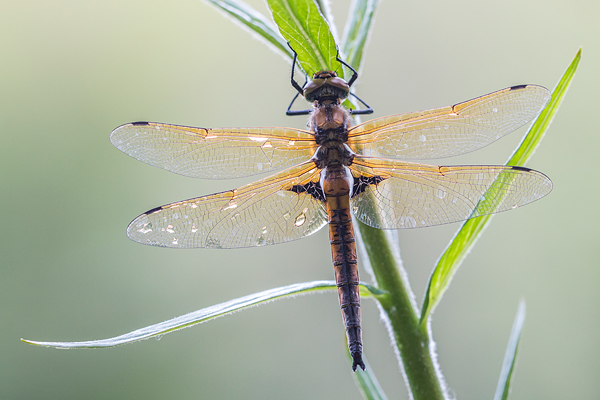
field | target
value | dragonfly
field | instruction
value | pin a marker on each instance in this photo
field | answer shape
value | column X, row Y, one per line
column 333, row 171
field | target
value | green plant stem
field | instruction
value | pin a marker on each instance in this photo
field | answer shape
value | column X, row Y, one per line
column 412, row 342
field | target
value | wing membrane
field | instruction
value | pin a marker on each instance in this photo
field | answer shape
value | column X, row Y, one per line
column 214, row 153
column 263, row 212
column 417, row 195
column 449, row 131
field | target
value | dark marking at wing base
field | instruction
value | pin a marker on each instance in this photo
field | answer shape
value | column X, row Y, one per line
column 312, row 188
column 362, row 183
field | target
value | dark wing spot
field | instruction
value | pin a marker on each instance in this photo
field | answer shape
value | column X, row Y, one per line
column 362, row 182
column 312, row 188
column 521, row 169
column 153, row 210
column 518, row 87
column 140, row 123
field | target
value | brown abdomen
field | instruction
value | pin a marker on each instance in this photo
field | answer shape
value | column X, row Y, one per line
column 336, row 186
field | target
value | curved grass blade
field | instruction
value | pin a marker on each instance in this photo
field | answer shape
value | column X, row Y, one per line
column 367, row 381
column 510, row 357
column 468, row 234
column 357, row 30
column 300, row 22
column 255, row 22
column 530, row 142
column 206, row 314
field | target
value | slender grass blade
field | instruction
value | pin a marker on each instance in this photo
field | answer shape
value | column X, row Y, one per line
column 510, row 357
column 250, row 19
column 206, row 314
column 469, row 232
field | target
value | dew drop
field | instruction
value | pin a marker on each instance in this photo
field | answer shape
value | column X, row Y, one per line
column 194, row 229
column 170, row 229
column 147, row 227
column 408, row 222
column 175, row 240
column 422, row 138
column 257, row 139
column 300, row 219
column 494, row 109
column 441, row 193
column 229, row 206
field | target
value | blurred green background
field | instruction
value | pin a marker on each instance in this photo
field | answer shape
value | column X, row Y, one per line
column 71, row 71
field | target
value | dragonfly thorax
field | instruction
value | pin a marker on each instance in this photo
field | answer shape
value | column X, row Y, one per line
column 329, row 121
column 333, row 154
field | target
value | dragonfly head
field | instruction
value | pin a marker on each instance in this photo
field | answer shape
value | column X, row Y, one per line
column 326, row 84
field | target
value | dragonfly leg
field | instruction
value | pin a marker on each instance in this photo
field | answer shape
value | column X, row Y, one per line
column 367, row 110
column 354, row 73
column 296, row 86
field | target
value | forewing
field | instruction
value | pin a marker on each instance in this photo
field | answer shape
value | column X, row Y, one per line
column 450, row 131
column 264, row 212
column 411, row 195
column 214, row 153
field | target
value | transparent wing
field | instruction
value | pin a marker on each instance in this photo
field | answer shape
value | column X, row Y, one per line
column 449, row 131
column 214, row 153
column 263, row 212
column 415, row 195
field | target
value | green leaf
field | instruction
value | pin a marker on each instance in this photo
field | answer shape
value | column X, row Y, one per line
column 255, row 22
column 510, row 357
column 206, row 314
column 469, row 232
column 357, row 30
column 301, row 23
column 367, row 381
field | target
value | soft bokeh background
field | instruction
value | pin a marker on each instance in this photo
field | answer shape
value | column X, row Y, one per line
column 71, row 71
